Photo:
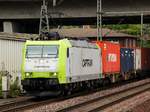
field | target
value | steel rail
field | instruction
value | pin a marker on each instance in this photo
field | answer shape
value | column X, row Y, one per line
column 103, row 102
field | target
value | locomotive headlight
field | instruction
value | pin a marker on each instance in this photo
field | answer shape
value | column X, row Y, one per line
column 55, row 74
column 41, row 61
column 27, row 74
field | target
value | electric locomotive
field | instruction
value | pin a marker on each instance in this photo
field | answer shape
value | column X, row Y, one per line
column 60, row 66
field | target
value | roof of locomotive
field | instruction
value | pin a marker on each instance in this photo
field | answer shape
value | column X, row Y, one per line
column 69, row 42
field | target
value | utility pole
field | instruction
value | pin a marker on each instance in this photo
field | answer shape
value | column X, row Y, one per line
column 54, row 3
column 5, row 82
column 44, row 22
column 141, row 29
column 99, row 20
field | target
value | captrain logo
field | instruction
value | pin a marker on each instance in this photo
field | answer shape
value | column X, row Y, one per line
column 87, row 62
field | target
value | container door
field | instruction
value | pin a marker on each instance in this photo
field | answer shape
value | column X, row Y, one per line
column 138, row 59
column 123, row 60
column 131, row 58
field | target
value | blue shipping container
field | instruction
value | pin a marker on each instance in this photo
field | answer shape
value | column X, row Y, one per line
column 127, row 59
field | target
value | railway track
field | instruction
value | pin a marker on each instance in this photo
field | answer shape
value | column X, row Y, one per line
column 25, row 104
column 12, row 104
column 104, row 102
column 98, row 103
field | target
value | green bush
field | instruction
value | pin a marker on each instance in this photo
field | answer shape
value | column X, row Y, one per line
column 15, row 89
column 126, row 28
column 145, row 43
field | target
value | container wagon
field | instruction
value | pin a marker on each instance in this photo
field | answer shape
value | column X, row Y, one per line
column 110, row 59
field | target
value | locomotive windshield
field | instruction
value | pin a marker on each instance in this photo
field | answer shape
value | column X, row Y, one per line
column 37, row 51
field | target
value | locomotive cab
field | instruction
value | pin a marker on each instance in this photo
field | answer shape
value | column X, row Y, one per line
column 41, row 58
column 41, row 64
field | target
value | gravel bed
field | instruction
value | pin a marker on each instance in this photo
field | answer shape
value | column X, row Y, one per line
column 144, row 107
column 132, row 104
column 80, row 99
column 8, row 100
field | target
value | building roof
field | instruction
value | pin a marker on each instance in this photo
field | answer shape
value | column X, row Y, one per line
column 71, row 32
column 146, row 37
column 16, row 36
column 89, row 32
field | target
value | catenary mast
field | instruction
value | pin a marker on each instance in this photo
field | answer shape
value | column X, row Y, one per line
column 44, row 22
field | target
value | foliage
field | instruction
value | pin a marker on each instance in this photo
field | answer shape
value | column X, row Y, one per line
column 146, row 44
column 15, row 89
column 146, row 29
column 130, row 28
column 126, row 28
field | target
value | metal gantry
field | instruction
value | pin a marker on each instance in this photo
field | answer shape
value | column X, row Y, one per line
column 44, row 22
column 99, row 20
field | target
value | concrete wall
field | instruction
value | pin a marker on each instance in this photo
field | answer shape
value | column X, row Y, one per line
column 10, row 27
column 69, row 8
column 69, row 12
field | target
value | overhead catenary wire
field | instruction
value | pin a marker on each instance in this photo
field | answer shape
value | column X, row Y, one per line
column 141, row 29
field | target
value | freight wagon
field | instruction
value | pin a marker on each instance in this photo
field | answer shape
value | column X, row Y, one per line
column 110, row 59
